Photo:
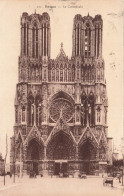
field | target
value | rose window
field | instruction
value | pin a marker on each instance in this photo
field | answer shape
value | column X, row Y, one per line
column 61, row 108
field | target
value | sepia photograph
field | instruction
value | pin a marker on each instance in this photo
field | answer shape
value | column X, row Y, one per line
column 61, row 98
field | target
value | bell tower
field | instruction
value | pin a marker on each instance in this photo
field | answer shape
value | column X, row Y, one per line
column 87, row 36
column 35, row 47
column 35, row 35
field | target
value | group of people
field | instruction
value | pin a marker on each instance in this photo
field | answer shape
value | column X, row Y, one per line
column 32, row 174
column 108, row 179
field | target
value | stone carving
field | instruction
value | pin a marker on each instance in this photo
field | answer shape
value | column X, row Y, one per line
column 61, row 107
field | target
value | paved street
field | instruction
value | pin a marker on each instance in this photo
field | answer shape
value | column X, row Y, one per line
column 59, row 186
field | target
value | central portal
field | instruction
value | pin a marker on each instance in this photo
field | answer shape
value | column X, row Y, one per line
column 60, row 150
column 61, row 147
column 60, row 167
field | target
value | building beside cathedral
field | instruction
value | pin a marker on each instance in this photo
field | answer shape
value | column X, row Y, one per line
column 61, row 104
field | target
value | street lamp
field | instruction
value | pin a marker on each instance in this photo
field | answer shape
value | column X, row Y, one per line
column 5, row 159
column 14, row 158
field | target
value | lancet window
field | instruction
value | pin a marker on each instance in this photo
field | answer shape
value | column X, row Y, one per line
column 73, row 73
column 98, row 114
column 23, row 114
column 24, row 39
column 84, row 110
column 53, row 74
column 57, row 73
column 87, row 40
column 91, row 102
column 65, row 73
column 69, row 73
column 35, row 41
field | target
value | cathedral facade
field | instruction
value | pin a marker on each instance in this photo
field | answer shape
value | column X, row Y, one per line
column 61, row 104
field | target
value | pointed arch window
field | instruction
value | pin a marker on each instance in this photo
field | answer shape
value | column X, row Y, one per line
column 24, row 39
column 27, row 37
column 69, row 73
column 75, row 39
column 78, row 41
column 57, row 74
column 53, row 74
column 23, row 114
column 98, row 114
column 61, row 73
column 87, row 40
column 91, row 103
column 73, row 73
column 65, row 74
column 45, row 39
column 35, row 41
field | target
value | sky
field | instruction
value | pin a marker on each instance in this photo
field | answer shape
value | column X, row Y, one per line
column 61, row 17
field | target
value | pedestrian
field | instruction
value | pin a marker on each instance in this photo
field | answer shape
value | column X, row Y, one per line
column 119, row 178
column 10, row 175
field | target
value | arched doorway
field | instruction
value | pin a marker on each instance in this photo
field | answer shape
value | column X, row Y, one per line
column 61, row 149
column 87, row 154
column 34, row 155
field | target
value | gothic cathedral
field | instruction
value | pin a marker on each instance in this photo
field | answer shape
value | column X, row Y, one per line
column 61, row 104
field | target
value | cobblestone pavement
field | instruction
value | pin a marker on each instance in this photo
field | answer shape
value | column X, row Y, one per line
column 8, row 182
column 58, row 187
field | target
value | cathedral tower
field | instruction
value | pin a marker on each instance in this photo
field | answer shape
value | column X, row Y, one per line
column 87, row 36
